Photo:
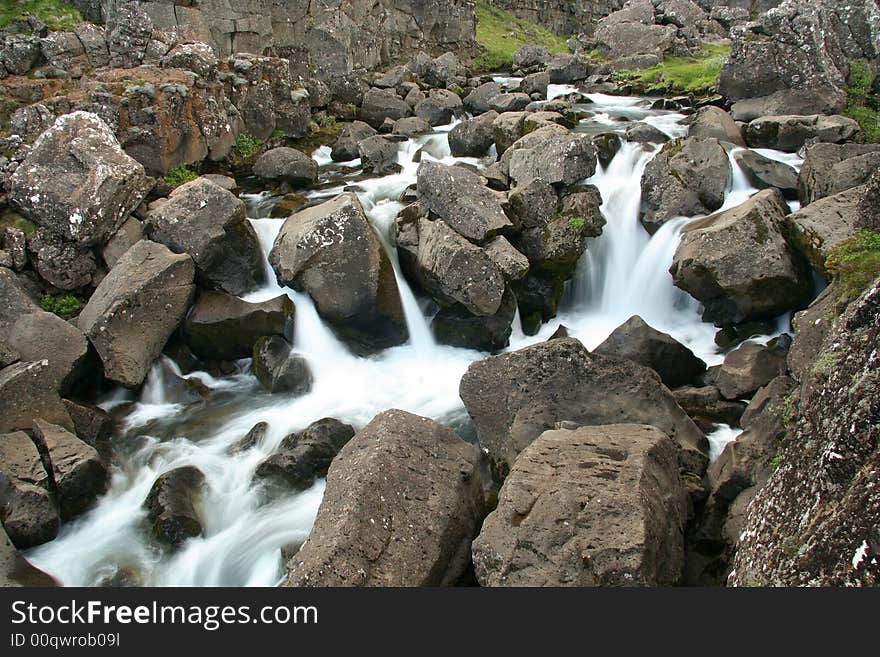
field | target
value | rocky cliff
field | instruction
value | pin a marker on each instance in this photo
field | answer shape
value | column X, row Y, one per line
column 319, row 37
column 561, row 16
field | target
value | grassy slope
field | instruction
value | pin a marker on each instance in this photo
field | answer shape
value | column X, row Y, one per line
column 680, row 75
column 500, row 34
column 57, row 15
column 861, row 104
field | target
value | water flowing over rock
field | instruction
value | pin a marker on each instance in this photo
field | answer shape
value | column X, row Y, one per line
column 333, row 253
column 208, row 223
column 515, row 397
column 279, row 370
column 402, row 504
column 136, row 308
column 77, row 182
column 173, row 505
column 307, row 454
column 738, row 264
column 593, row 506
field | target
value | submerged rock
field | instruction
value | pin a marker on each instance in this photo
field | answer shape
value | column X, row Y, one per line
column 306, row 455
column 173, row 505
column 278, row 369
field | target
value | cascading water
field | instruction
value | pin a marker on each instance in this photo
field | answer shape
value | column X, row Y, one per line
column 623, row 273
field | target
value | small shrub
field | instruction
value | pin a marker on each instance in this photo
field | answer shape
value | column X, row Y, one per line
column 861, row 104
column 180, row 175
column 65, row 305
column 855, row 263
column 325, row 120
column 246, row 147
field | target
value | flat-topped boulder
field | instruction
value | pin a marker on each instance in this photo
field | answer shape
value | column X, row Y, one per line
column 287, row 165
column 789, row 133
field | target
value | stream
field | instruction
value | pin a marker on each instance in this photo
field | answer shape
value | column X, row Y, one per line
column 624, row 272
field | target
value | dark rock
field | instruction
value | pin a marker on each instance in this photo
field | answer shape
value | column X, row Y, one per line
column 28, row 391
column 439, row 107
column 62, row 264
column 512, row 263
column 15, row 570
column 278, row 369
column 173, row 505
column 749, row 367
column 379, row 155
column 286, row 165
column 642, row 133
column 381, row 104
column 509, row 102
column 762, row 172
column 829, row 169
column 536, row 83
column 789, row 133
column 411, row 126
column 477, row 101
column 304, row 456
column 26, row 508
column 91, row 424
column 475, row 137
column 345, row 147
column 42, row 336
column 531, row 55
column 129, row 233
column 456, row 326
column 706, row 408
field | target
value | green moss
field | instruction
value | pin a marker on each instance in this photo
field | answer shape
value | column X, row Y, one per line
column 325, row 120
column 180, row 175
column 501, row 34
column 696, row 75
column 246, row 147
column 776, row 461
column 862, row 105
column 10, row 219
column 825, row 362
column 855, row 263
column 65, row 305
column 789, row 413
column 57, row 15
column 578, row 223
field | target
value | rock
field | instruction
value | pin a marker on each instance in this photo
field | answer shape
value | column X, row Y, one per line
column 223, row 327
column 507, row 129
column 411, row 126
column 762, row 172
column 456, row 326
column 251, row 439
column 76, row 474
column 530, row 55
column 747, row 368
column 581, row 210
column 348, row 88
column 402, row 504
column 442, row 71
column 15, row 244
column 512, row 263
column 346, row 145
column 829, row 169
column 379, row 155
column 439, row 107
column 706, row 408
column 209, row 224
column 623, row 33
column 136, row 308
column 532, row 204
column 789, row 133
column 381, row 104
column 26, row 507
column 196, row 57
column 304, row 456
column 509, row 102
column 28, row 391
column 333, row 253
column 287, row 165
column 714, row 123
column 15, row 570
column 31, row 121
column 278, row 369
column 477, row 101
column 130, row 233
column 738, row 264
column 637, row 341
column 173, row 505
column 473, row 138
column 20, row 53
column 642, row 133
column 128, row 33
column 77, row 182
column 819, row 529
column 555, row 247
column 536, row 83
column 567, row 69
column 42, row 336
column 562, row 159
column 458, row 196
column 811, row 328
column 65, row 265
column 817, row 228
column 515, row 397
column 594, row 506
column 91, row 424
column 537, row 120
column 687, row 177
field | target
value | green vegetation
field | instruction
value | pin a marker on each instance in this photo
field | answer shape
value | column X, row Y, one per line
column 825, row 362
column 10, row 219
column 325, row 120
column 501, row 34
column 246, row 147
column 680, row 75
column 180, row 175
column 789, row 411
column 57, row 15
column 863, row 105
column 65, row 305
column 855, row 263
column 578, row 223
column 776, row 461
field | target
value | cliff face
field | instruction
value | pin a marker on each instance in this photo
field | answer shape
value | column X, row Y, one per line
column 561, row 16
column 319, row 37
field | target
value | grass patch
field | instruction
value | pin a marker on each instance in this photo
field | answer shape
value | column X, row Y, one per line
column 65, row 305
column 578, row 223
column 696, row 75
column 55, row 14
column 180, row 175
column 855, row 263
column 501, row 34
column 861, row 104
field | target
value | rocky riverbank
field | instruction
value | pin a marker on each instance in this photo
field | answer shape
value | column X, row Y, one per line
column 218, row 278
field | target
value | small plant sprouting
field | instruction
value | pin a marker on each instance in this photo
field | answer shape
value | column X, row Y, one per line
column 578, row 223
column 180, row 175
column 65, row 305
column 246, row 147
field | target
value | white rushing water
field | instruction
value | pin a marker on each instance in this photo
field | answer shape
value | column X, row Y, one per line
column 623, row 273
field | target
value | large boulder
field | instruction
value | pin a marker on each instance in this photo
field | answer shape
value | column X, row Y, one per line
column 738, row 264
column 173, row 505
column 62, row 264
column 439, row 107
column 403, row 501
column 477, row 101
column 381, row 104
column 789, row 133
column 563, row 159
column 829, row 169
column 593, row 506
column 333, row 253
column 762, row 172
column 28, row 390
column 76, row 473
column 530, row 55
column 208, row 223
column 473, row 138
column 687, row 177
column 27, row 510
column 750, row 367
column 136, row 308
column 346, row 145
column 306, row 455
column 223, row 327
column 631, row 31
column 459, row 197
column 637, row 341
column 77, row 182
column 513, row 398
column 714, row 123
column 379, row 154
column 286, row 165
column 457, row 326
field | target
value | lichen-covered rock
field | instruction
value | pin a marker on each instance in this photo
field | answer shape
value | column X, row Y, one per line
column 473, row 138
column 563, row 159
column 593, row 506
column 738, row 264
column 346, row 145
column 77, row 182
column 136, row 308
column 789, row 133
column 403, row 501
column 287, row 165
column 477, row 101
column 379, row 154
column 381, row 104
column 62, row 264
